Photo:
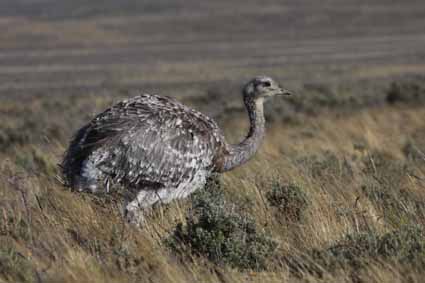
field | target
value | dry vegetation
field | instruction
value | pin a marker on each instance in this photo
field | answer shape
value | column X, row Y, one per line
column 334, row 195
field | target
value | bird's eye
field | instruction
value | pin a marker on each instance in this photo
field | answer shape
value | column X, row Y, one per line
column 267, row 84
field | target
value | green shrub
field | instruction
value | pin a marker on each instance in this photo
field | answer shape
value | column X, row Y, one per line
column 405, row 246
column 35, row 161
column 10, row 137
column 290, row 201
column 217, row 230
column 407, row 91
column 15, row 267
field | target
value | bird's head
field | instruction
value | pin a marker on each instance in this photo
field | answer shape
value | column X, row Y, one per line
column 262, row 87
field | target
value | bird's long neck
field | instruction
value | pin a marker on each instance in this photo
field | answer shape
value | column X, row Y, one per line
column 241, row 153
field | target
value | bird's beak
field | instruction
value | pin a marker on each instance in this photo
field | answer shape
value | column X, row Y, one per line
column 284, row 92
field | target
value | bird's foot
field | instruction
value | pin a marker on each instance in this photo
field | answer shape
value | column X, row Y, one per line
column 135, row 216
column 135, row 211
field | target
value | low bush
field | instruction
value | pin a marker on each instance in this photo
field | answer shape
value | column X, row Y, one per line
column 410, row 90
column 405, row 246
column 290, row 201
column 217, row 230
column 15, row 267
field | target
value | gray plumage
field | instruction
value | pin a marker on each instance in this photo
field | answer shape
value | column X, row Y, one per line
column 160, row 147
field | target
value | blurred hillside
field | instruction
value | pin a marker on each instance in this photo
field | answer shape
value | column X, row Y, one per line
column 182, row 47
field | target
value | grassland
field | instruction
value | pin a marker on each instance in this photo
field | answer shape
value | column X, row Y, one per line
column 360, row 174
column 336, row 193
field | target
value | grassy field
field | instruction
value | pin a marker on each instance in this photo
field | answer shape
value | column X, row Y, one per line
column 336, row 193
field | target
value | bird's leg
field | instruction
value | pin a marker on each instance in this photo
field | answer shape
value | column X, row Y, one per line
column 159, row 198
column 107, row 185
column 134, row 214
column 135, row 210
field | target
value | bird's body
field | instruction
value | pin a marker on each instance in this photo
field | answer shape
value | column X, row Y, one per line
column 156, row 146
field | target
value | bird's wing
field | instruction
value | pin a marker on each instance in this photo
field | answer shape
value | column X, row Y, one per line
column 150, row 140
column 104, row 128
column 162, row 153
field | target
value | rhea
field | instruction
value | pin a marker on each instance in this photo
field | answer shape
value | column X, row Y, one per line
column 160, row 148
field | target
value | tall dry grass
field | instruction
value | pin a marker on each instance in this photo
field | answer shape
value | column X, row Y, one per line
column 361, row 173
